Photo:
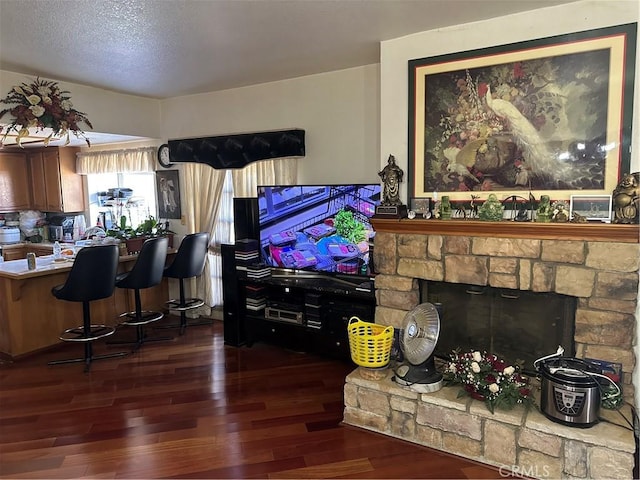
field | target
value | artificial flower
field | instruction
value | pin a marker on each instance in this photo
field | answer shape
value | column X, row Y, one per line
column 41, row 105
column 487, row 376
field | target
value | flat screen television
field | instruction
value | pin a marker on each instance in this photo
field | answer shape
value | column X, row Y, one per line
column 318, row 229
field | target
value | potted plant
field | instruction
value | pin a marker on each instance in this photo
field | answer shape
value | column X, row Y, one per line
column 135, row 237
column 121, row 231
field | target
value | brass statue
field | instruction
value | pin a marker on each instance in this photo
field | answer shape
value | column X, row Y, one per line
column 626, row 199
column 391, row 177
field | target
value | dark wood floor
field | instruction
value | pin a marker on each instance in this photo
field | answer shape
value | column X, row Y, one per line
column 195, row 408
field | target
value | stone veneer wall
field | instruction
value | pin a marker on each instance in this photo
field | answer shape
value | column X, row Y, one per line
column 602, row 275
column 521, row 440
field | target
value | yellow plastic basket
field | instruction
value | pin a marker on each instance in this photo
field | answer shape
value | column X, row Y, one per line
column 370, row 343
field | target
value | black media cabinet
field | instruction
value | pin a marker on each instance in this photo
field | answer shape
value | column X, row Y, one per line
column 298, row 312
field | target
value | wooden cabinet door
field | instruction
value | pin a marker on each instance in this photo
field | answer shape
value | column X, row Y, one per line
column 73, row 198
column 14, row 182
column 36, row 175
column 51, row 169
column 14, row 253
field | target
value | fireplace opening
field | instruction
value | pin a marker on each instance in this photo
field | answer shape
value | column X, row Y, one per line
column 519, row 326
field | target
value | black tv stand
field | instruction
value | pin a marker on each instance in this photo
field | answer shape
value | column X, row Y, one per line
column 299, row 311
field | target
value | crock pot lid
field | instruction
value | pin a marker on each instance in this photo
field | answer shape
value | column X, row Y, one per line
column 570, row 370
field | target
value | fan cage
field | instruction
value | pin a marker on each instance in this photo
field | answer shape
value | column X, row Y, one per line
column 369, row 343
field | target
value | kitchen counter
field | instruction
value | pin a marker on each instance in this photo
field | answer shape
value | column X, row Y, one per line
column 45, row 265
column 31, row 318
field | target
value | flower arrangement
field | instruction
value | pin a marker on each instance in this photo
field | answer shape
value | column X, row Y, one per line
column 40, row 105
column 485, row 376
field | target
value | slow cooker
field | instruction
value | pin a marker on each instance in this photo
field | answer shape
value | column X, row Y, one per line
column 570, row 395
column 9, row 235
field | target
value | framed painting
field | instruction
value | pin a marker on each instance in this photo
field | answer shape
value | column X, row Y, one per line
column 592, row 207
column 168, row 194
column 549, row 116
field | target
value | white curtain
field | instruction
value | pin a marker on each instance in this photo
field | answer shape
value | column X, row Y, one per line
column 117, row 161
column 281, row 171
column 203, row 188
column 208, row 207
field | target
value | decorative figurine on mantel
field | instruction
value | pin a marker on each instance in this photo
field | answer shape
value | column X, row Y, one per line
column 445, row 208
column 391, row 206
column 491, row 210
column 543, row 214
column 559, row 212
column 626, row 199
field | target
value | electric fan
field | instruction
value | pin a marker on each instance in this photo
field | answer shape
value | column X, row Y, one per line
column 421, row 328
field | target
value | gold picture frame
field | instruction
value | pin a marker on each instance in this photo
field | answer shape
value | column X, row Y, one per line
column 549, row 116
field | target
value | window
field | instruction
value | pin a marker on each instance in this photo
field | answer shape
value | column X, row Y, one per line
column 112, row 195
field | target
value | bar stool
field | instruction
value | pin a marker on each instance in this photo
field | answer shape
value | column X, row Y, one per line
column 92, row 277
column 146, row 273
column 188, row 262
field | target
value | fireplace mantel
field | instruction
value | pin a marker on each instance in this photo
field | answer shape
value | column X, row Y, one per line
column 596, row 232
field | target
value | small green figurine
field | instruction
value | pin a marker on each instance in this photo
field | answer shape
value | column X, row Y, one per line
column 491, row 210
column 543, row 214
column 445, row 208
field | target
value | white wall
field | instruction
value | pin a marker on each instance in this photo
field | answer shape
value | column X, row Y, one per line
column 339, row 112
column 541, row 23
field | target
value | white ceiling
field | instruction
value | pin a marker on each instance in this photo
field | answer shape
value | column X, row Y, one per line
column 168, row 48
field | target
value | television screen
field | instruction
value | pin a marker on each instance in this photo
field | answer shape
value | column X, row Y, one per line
column 320, row 228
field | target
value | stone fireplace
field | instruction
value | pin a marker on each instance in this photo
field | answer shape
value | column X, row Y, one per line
column 597, row 264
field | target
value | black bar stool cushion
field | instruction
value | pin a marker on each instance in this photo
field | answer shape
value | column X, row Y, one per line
column 188, row 262
column 92, row 275
column 149, row 266
column 146, row 273
column 191, row 256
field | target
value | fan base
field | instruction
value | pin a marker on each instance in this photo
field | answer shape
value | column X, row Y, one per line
column 418, row 380
column 419, row 387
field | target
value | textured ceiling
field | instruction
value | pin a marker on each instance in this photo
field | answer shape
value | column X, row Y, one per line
column 167, row 48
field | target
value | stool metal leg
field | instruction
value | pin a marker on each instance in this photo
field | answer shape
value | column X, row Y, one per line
column 139, row 318
column 182, row 305
column 87, row 334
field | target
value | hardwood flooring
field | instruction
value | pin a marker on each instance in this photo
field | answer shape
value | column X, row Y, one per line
column 195, row 408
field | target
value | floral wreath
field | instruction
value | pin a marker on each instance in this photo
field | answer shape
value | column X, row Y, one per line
column 42, row 104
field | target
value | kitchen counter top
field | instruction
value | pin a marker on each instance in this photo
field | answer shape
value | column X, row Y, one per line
column 46, row 265
column 17, row 269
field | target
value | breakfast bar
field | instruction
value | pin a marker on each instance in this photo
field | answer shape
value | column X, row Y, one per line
column 31, row 319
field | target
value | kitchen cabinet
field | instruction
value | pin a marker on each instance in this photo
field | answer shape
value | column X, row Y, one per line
column 36, row 177
column 14, row 253
column 14, row 182
column 55, row 185
column 20, row 250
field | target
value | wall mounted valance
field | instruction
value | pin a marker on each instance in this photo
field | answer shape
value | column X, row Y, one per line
column 237, row 151
column 117, row 161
